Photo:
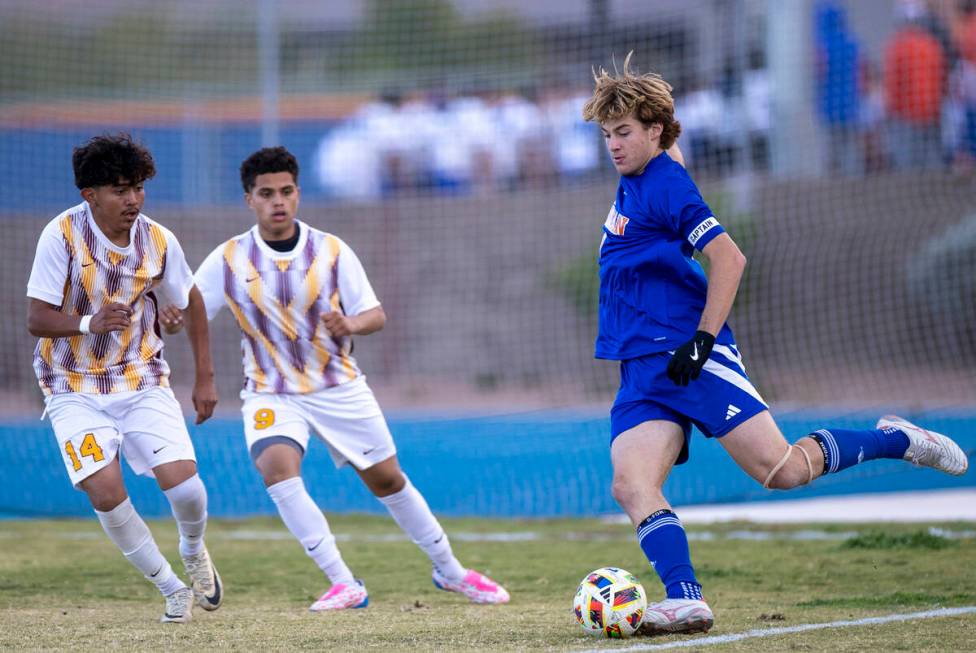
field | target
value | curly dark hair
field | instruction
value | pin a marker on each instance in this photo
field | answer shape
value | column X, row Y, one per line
column 110, row 158
column 265, row 160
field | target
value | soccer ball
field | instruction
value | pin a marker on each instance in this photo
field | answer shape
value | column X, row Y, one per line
column 610, row 602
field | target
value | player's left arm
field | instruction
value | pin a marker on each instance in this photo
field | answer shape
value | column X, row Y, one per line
column 693, row 221
column 177, row 284
column 366, row 314
column 726, row 264
column 340, row 325
column 204, row 387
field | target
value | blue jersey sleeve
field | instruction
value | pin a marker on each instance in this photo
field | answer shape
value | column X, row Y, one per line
column 689, row 213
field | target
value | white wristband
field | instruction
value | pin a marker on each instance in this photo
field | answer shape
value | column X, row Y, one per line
column 85, row 321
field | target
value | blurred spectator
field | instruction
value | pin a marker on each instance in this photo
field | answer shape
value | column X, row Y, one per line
column 369, row 155
column 392, row 140
column 871, row 119
column 346, row 164
column 914, row 88
column 460, row 157
column 470, row 143
column 934, row 16
column 700, row 113
column 965, row 30
column 488, row 142
column 838, row 92
column 536, row 146
column 420, row 125
column 577, row 142
column 755, row 92
column 517, row 117
column 964, row 80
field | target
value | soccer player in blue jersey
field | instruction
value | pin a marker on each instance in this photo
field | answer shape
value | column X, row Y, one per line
column 665, row 321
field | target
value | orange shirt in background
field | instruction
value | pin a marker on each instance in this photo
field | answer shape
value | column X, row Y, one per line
column 914, row 76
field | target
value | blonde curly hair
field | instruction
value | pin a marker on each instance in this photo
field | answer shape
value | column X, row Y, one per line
column 647, row 97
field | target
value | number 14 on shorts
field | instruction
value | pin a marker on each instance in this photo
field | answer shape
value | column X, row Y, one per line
column 89, row 449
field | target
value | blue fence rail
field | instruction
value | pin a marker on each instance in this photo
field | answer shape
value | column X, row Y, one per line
column 547, row 464
column 195, row 164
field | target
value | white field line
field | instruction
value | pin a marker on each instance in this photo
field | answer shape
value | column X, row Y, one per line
column 786, row 630
column 922, row 506
column 530, row 536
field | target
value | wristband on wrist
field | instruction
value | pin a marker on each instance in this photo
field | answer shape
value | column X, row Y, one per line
column 83, row 326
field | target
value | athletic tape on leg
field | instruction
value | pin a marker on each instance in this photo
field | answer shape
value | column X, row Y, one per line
column 806, row 457
column 784, row 460
column 778, row 466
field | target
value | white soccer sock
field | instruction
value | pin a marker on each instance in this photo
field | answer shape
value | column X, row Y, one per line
column 188, row 500
column 307, row 523
column 125, row 528
column 411, row 512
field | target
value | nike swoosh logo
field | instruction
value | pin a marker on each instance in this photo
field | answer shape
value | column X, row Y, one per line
column 251, row 279
column 155, row 451
column 312, row 548
column 85, row 265
column 438, row 540
column 369, row 451
column 155, row 573
column 215, row 599
column 694, row 355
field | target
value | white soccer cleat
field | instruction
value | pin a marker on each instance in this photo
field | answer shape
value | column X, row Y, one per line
column 179, row 607
column 927, row 448
column 207, row 588
column 676, row 616
column 341, row 596
column 477, row 587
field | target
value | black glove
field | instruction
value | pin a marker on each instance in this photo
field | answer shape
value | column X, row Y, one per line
column 688, row 359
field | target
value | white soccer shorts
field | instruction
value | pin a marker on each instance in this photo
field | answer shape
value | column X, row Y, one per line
column 147, row 425
column 346, row 418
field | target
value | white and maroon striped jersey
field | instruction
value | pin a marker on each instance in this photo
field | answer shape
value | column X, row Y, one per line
column 77, row 269
column 278, row 299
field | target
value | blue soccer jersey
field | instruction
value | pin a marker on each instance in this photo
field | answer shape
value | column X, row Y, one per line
column 652, row 292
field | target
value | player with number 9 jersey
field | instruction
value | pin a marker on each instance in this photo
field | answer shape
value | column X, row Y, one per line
column 298, row 295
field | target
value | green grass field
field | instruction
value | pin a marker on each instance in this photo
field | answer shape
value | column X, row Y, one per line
column 63, row 586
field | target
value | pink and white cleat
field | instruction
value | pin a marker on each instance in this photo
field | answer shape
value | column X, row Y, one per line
column 342, row 596
column 927, row 448
column 477, row 587
column 677, row 616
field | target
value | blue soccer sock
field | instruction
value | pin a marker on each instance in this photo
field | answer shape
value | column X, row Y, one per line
column 663, row 540
column 843, row 448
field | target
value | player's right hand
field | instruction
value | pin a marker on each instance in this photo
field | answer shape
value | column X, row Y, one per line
column 111, row 317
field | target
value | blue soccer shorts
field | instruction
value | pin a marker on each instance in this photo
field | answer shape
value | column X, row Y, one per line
column 720, row 399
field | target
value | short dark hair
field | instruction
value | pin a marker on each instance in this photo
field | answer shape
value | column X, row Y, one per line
column 110, row 158
column 265, row 160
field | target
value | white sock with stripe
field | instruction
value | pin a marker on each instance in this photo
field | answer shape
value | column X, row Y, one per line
column 411, row 512
column 307, row 523
column 129, row 532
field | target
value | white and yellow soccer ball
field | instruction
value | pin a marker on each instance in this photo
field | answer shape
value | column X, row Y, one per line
column 610, row 602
